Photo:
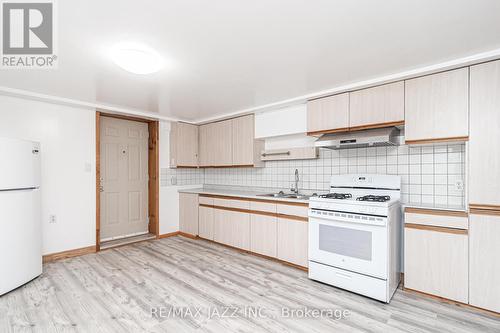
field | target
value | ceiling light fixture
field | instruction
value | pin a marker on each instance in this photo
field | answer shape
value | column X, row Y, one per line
column 137, row 58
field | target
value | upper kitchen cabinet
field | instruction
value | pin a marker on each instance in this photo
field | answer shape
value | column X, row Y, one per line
column 183, row 145
column 222, row 143
column 328, row 114
column 230, row 143
column 377, row 107
column 205, row 144
column 246, row 150
column 484, row 140
column 436, row 107
column 216, row 146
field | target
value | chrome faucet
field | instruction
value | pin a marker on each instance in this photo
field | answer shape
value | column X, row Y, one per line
column 296, row 188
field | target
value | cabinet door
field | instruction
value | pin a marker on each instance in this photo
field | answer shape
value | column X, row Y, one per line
column 188, row 213
column 484, row 288
column 205, row 145
column 437, row 263
column 484, row 141
column 437, row 106
column 243, row 140
column 293, row 241
column 187, row 145
column 206, row 222
column 220, row 136
column 329, row 113
column 377, row 105
column 263, row 234
column 232, row 228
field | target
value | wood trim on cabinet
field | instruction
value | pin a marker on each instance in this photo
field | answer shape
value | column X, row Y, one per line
column 437, row 229
column 257, row 212
column 449, row 301
column 187, row 167
column 69, row 254
column 484, row 207
column 439, row 212
column 330, row 131
column 425, row 141
column 356, row 128
column 290, row 203
column 377, row 125
column 485, row 212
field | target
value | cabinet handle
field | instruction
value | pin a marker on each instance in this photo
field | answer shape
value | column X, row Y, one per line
column 276, row 153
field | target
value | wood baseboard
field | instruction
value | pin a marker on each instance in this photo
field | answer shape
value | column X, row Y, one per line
column 184, row 234
column 69, row 254
column 170, row 234
column 449, row 301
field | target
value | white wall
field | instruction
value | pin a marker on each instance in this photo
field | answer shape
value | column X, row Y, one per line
column 67, row 136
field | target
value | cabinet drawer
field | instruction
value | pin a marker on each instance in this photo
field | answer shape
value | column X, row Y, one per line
column 437, row 263
column 206, row 200
column 292, row 210
column 455, row 220
column 263, row 206
column 241, row 204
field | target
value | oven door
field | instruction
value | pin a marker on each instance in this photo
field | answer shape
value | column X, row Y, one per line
column 357, row 247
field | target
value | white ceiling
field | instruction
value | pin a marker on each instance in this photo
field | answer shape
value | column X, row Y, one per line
column 229, row 55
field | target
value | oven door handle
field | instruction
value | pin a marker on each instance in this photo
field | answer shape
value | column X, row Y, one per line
column 335, row 221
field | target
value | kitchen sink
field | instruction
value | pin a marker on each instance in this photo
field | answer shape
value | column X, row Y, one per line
column 285, row 195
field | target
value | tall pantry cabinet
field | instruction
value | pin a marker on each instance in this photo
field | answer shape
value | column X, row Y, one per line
column 484, row 186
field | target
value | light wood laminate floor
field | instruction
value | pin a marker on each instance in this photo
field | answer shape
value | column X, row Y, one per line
column 115, row 291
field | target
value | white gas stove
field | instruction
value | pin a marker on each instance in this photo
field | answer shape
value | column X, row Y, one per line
column 355, row 235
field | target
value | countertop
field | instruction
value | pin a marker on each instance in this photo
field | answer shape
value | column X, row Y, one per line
column 241, row 194
column 253, row 194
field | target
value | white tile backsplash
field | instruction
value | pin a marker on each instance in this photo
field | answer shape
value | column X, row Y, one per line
column 429, row 174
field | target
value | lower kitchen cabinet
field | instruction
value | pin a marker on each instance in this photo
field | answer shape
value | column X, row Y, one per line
column 232, row 228
column 484, row 287
column 263, row 234
column 436, row 262
column 292, row 241
column 206, row 222
column 188, row 213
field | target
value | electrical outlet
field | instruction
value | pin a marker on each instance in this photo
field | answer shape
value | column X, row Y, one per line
column 173, row 180
column 459, row 185
column 52, row 219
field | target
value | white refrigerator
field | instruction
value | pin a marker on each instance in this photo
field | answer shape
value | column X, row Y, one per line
column 20, row 220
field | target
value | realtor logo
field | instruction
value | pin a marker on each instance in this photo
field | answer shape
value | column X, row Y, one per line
column 28, row 34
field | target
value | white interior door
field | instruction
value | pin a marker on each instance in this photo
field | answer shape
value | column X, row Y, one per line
column 124, row 178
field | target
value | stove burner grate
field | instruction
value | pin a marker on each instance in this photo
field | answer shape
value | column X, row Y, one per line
column 376, row 198
column 340, row 196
